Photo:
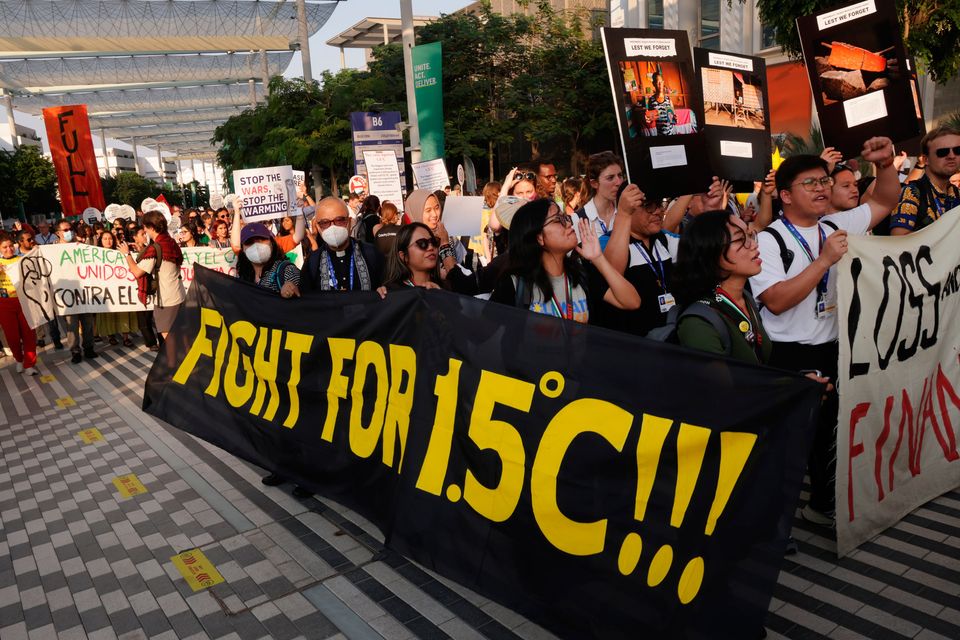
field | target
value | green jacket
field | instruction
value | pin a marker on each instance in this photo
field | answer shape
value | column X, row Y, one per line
column 697, row 333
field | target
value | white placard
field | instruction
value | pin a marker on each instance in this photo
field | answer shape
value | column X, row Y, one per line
column 650, row 47
column 462, row 216
column 383, row 176
column 867, row 108
column 736, row 149
column 299, row 177
column 674, row 155
column 267, row 192
column 431, row 175
column 846, row 14
column 730, row 62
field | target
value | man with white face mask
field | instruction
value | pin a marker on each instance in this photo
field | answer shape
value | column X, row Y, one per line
column 339, row 263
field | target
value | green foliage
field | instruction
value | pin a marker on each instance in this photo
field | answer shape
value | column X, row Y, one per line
column 29, row 180
column 540, row 79
column 931, row 30
column 131, row 188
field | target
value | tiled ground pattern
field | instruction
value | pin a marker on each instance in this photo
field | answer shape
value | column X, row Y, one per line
column 77, row 560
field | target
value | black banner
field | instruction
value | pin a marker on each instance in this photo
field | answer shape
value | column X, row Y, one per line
column 603, row 485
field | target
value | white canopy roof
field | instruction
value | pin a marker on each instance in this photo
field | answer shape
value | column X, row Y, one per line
column 158, row 117
column 126, row 101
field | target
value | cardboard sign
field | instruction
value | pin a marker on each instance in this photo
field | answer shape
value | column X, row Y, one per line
column 383, row 176
column 431, row 175
column 859, row 75
column 659, row 110
column 462, row 215
column 736, row 115
column 267, row 193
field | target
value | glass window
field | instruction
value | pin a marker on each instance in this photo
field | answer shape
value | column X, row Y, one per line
column 768, row 37
column 655, row 14
column 710, row 24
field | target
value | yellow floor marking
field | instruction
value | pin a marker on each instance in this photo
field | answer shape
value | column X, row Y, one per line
column 196, row 569
column 90, row 435
column 129, row 485
column 66, row 401
column 47, row 378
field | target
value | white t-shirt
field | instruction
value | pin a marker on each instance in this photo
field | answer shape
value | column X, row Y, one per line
column 800, row 323
column 172, row 292
column 638, row 257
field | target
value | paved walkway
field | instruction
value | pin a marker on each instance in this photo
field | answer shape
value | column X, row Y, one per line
column 79, row 560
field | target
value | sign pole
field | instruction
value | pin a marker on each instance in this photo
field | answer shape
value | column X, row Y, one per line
column 406, row 26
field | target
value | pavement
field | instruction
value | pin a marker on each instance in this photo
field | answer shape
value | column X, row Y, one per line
column 103, row 509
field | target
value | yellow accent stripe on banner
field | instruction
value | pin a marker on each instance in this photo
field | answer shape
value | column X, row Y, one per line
column 90, row 435
column 196, row 569
column 129, row 485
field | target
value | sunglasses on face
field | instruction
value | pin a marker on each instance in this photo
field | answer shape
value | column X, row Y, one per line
column 562, row 219
column 423, row 243
column 943, row 153
column 810, row 184
column 341, row 221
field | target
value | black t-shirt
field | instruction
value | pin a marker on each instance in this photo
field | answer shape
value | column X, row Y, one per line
column 646, row 279
column 386, row 238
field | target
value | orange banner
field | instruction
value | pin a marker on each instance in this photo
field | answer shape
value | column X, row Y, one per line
column 68, row 132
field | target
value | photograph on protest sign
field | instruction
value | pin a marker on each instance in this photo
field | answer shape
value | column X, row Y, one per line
column 659, row 109
column 737, row 115
column 267, row 193
column 858, row 73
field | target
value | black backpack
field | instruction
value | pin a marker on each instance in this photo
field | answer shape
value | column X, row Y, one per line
column 668, row 332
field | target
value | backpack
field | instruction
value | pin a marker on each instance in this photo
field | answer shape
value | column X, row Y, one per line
column 668, row 332
column 787, row 255
column 278, row 273
column 363, row 230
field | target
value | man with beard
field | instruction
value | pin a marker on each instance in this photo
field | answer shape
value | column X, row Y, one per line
column 923, row 201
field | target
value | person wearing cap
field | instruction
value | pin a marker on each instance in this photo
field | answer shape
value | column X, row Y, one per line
column 339, row 263
column 170, row 291
column 265, row 264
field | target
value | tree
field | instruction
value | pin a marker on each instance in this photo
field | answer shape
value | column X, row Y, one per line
column 29, row 180
column 565, row 92
column 131, row 188
column 931, row 30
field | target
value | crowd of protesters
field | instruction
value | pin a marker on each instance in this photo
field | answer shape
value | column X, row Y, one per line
column 706, row 270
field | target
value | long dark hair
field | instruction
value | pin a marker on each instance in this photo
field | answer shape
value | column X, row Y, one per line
column 245, row 270
column 371, row 204
column 397, row 271
column 704, row 243
column 526, row 254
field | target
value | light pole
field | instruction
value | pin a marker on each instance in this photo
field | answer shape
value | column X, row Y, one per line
column 406, row 26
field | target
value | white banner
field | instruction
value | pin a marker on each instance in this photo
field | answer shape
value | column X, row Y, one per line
column 267, row 193
column 383, row 177
column 64, row 279
column 899, row 377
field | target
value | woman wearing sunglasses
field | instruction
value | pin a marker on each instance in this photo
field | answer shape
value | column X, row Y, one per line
column 420, row 259
column 544, row 274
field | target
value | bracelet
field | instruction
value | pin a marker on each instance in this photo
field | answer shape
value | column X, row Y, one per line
column 446, row 251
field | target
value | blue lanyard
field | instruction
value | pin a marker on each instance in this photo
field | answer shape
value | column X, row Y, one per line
column 333, row 274
column 658, row 271
column 822, row 287
column 603, row 227
column 936, row 202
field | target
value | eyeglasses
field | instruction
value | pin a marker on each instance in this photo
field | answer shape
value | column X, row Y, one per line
column 529, row 175
column 342, row 221
column 943, row 153
column 748, row 239
column 423, row 243
column 810, row 184
column 653, row 206
column 562, row 219
column 549, row 176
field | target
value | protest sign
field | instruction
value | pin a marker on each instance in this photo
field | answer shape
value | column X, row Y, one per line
column 267, row 193
column 431, row 175
column 659, row 110
column 858, row 74
column 525, row 456
column 71, row 148
column 65, row 279
column 899, row 380
column 384, row 181
column 299, row 177
column 376, row 131
column 736, row 115
column 462, row 215
column 296, row 256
